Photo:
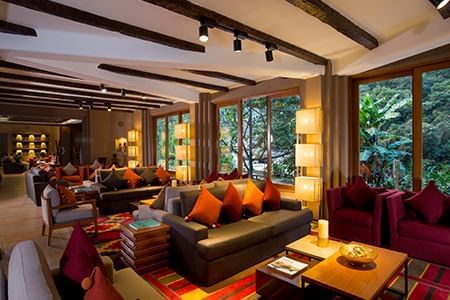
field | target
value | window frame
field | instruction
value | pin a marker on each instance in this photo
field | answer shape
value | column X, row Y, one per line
column 239, row 103
column 416, row 72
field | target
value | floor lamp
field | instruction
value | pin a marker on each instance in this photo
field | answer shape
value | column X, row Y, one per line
column 183, row 152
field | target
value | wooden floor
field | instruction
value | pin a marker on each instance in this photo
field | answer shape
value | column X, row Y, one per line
column 20, row 219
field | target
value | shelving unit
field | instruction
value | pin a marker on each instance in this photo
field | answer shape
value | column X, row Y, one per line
column 22, row 142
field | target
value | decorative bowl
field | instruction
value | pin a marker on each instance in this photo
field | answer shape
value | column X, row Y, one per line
column 358, row 254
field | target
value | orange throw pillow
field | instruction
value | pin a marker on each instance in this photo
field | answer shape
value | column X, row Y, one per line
column 99, row 287
column 272, row 197
column 67, row 196
column 253, row 198
column 232, row 204
column 132, row 178
column 207, row 208
column 163, row 175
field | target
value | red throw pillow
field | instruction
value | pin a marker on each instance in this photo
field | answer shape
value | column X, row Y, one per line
column 99, row 287
column 272, row 196
column 163, row 175
column 428, row 203
column 253, row 198
column 360, row 195
column 232, row 204
column 206, row 209
column 80, row 257
column 212, row 177
column 67, row 196
column 233, row 175
column 132, row 178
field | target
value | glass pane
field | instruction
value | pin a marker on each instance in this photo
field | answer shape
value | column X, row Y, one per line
column 283, row 138
column 173, row 120
column 254, row 125
column 161, row 142
column 228, row 138
column 385, row 132
column 186, row 118
column 436, row 128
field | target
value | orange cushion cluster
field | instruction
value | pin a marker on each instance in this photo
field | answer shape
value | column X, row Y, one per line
column 163, row 175
column 253, row 198
column 133, row 178
column 232, row 204
column 99, row 287
column 206, row 209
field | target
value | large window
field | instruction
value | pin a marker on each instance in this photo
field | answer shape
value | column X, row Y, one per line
column 404, row 128
column 257, row 136
column 228, row 138
column 165, row 139
column 436, row 128
column 385, row 131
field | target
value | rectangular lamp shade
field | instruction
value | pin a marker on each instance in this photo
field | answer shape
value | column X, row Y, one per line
column 308, row 188
column 133, row 135
column 182, row 152
column 133, row 163
column 132, row 151
column 308, row 155
column 182, row 173
column 308, row 121
column 182, row 131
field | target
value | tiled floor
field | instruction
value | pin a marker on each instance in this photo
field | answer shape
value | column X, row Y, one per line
column 20, row 219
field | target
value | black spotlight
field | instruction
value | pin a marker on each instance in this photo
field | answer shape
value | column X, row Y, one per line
column 91, row 106
column 108, row 105
column 103, row 88
column 81, row 105
column 269, row 53
column 123, row 92
column 237, row 43
column 203, row 31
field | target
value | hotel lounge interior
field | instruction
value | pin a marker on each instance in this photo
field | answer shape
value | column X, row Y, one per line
column 240, row 149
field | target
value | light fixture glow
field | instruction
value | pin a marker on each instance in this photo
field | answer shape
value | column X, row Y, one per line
column 203, row 31
column 81, row 105
column 143, row 97
column 103, row 88
column 108, row 105
column 308, row 121
column 442, row 4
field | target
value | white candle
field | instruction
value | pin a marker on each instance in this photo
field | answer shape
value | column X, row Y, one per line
column 323, row 229
column 174, row 182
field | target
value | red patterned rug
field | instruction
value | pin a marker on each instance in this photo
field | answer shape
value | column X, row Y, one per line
column 425, row 281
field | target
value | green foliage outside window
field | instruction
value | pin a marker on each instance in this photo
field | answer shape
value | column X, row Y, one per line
column 161, row 142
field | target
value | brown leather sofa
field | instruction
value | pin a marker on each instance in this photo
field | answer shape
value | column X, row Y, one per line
column 210, row 255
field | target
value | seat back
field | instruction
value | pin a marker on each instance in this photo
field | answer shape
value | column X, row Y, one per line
column 46, row 210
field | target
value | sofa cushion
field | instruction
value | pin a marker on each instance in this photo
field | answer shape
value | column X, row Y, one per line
column 231, row 238
column 99, row 287
column 272, row 196
column 212, row 177
column 253, row 198
column 103, row 173
column 132, row 286
column 360, row 195
column 132, row 178
column 232, row 175
column 69, row 169
column 150, row 177
column 66, row 195
column 187, row 201
column 140, row 192
column 232, row 204
column 207, row 208
column 72, row 178
column 83, row 211
column 283, row 220
column 418, row 229
column 163, row 175
column 29, row 276
column 353, row 216
column 160, row 198
column 428, row 203
column 114, row 181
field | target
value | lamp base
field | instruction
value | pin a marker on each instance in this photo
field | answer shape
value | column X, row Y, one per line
column 322, row 242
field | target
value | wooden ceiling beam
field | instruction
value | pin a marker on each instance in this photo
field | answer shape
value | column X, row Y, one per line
column 223, row 76
column 14, row 66
column 332, row 17
column 11, row 28
column 153, row 76
column 87, row 18
column 8, row 100
column 444, row 11
column 196, row 12
column 71, row 98
column 76, row 93
column 85, row 86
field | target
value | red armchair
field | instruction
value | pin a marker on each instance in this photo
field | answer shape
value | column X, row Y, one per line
column 411, row 234
column 353, row 224
column 76, row 178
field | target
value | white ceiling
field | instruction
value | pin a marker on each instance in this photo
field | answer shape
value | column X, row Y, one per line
column 403, row 28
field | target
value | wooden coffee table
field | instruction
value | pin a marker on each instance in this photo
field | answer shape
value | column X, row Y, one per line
column 307, row 246
column 337, row 275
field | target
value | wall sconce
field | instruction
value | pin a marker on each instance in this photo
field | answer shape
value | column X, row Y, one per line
column 308, row 188
column 308, row 121
column 308, row 155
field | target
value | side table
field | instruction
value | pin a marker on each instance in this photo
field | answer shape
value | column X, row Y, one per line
column 145, row 249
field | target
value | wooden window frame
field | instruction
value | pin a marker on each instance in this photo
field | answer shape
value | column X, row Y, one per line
column 416, row 72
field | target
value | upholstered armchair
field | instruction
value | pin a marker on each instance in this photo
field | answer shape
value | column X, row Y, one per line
column 66, row 215
column 76, row 178
column 354, row 224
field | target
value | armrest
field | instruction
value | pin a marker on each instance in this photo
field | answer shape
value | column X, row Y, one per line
column 58, row 172
column 100, row 188
column 335, row 200
column 70, row 205
column 291, row 204
column 192, row 231
column 396, row 212
column 81, row 172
